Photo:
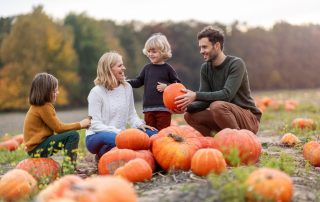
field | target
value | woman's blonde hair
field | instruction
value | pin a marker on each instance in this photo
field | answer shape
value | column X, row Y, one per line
column 105, row 76
column 158, row 41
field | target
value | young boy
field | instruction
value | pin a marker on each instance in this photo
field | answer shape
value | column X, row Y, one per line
column 155, row 77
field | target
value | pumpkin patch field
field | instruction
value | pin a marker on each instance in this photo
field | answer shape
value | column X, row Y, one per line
column 279, row 163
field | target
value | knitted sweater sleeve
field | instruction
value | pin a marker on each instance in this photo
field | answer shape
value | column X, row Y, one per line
column 49, row 116
column 139, row 80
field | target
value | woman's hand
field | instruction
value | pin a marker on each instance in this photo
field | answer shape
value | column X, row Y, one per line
column 85, row 123
column 144, row 127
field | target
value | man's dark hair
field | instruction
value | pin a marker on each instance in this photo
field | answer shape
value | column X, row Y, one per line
column 214, row 34
column 42, row 89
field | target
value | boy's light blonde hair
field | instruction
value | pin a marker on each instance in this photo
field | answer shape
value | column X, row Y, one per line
column 158, row 41
column 105, row 76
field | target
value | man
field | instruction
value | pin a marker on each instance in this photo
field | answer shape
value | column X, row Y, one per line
column 224, row 98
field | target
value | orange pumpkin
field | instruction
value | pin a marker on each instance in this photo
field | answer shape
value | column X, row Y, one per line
column 17, row 185
column 243, row 143
column 147, row 156
column 116, row 158
column 190, row 130
column 9, row 145
column 188, row 127
column 136, row 170
column 42, row 169
column 170, row 93
column 57, row 189
column 132, row 138
column 174, row 147
column 304, row 123
column 267, row 184
column 101, row 189
column 290, row 105
column 311, row 152
column 289, row 139
column 205, row 161
column 207, row 142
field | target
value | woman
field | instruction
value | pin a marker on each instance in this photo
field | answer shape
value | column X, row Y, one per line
column 111, row 106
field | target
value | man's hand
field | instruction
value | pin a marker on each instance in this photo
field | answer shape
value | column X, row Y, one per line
column 184, row 100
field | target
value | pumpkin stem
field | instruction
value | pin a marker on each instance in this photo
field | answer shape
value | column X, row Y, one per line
column 175, row 137
column 269, row 177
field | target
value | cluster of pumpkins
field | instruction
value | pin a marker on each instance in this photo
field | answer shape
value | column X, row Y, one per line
column 264, row 103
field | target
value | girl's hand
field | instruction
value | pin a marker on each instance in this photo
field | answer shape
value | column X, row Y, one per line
column 161, row 86
column 85, row 123
column 144, row 127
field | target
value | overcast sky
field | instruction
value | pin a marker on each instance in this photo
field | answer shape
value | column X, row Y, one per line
column 253, row 12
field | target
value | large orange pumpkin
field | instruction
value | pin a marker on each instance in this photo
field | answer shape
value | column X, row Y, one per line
column 170, row 93
column 102, row 189
column 174, row 148
column 267, row 184
column 190, row 130
column 243, row 143
column 289, row 139
column 209, row 160
column 17, row 185
column 311, row 152
column 206, row 142
column 93, row 189
column 116, row 158
column 188, row 127
column 57, row 189
column 44, row 170
column 136, row 170
column 147, row 156
column 132, row 138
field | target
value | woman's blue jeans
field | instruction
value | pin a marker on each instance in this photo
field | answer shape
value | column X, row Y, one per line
column 101, row 142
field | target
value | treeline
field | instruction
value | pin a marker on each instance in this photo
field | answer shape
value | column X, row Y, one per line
column 283, row 57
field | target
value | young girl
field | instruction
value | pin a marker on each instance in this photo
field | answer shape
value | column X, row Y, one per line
column 155, row 77
column 41, row 122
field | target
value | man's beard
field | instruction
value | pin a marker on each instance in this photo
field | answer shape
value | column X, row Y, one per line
column 213, row 57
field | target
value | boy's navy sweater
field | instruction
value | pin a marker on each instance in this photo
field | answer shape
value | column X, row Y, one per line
column 149, row 77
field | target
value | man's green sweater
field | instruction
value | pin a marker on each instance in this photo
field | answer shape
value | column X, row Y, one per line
column 226, row 82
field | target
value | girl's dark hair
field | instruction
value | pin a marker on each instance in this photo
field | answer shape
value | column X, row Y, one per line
column 42, row 89
column 214, row 34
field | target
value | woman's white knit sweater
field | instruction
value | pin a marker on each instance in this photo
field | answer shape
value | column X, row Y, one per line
column 112, row 110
